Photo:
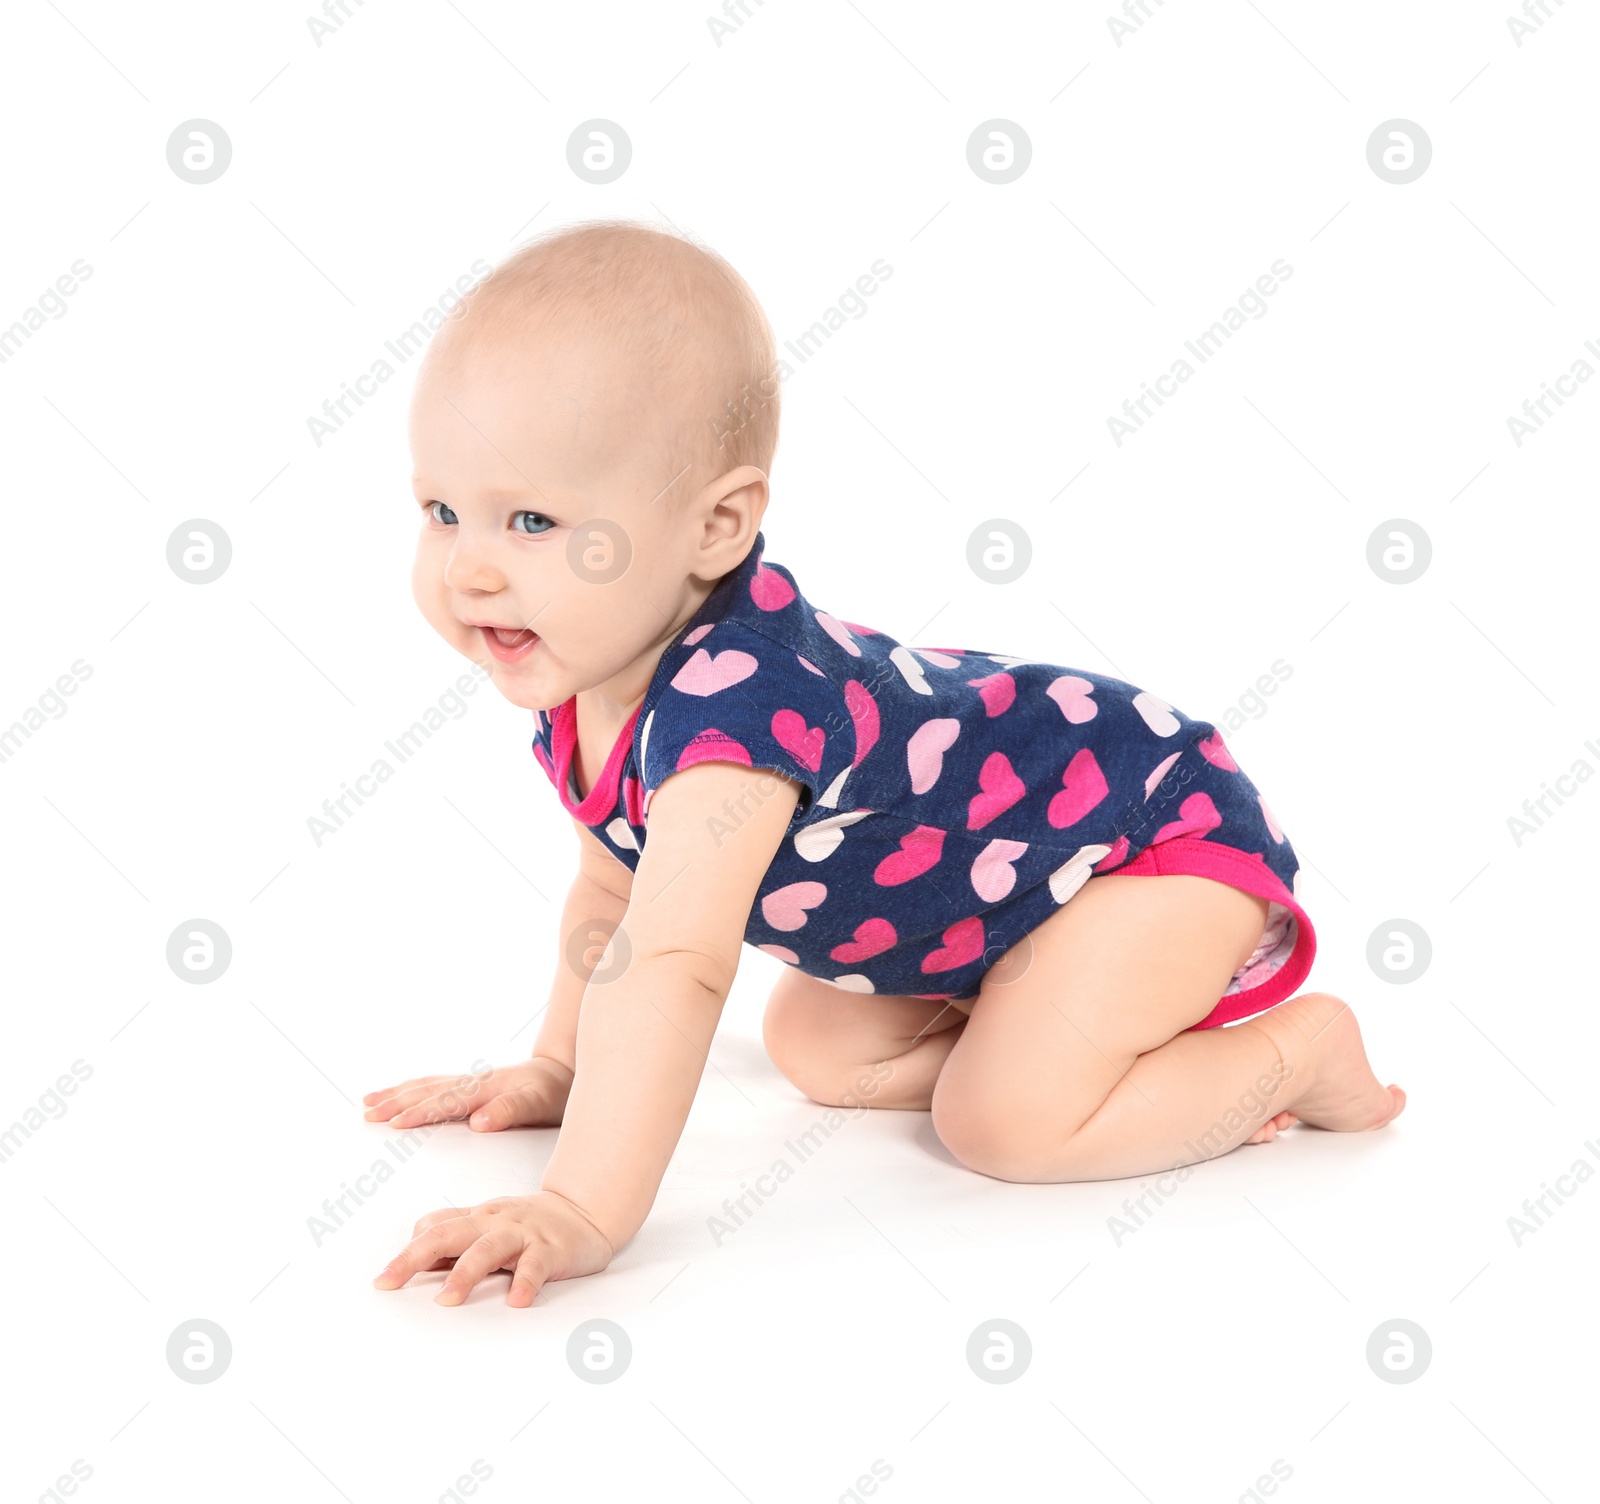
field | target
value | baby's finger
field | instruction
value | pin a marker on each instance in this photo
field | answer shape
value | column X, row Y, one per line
column 401, row 1098
column 446, row 1240
column 441, row 1100
column 433, row 1219
column 495, row 1248
column 528, row 1278
column 524, row 1104
column 394, row 1091
column 438, row 1107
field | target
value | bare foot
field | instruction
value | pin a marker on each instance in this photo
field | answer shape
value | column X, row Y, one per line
column 1269, row 1130
column 1319, row 1036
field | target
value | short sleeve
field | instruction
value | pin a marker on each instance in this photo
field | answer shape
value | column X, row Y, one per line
column 734, row 694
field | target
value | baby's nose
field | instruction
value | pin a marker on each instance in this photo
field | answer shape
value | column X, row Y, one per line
column 472, row 567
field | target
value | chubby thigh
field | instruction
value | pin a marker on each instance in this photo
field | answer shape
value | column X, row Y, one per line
column 852, row 1049
column 1124, row 966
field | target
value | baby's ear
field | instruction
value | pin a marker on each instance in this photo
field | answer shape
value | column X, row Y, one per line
column 740, row 496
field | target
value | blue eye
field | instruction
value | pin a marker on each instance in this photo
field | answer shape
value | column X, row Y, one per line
column 533, row 531
column 436, row 507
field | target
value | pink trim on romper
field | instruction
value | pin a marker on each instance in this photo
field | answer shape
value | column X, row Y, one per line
column 602, row 798
column 1239, row 869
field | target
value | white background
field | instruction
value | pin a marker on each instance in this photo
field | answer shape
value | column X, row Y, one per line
column 1168, row 173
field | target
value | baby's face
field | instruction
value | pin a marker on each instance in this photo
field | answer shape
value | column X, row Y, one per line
column 518, row 450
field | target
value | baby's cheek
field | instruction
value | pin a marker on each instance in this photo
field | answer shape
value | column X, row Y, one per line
column 427, row 587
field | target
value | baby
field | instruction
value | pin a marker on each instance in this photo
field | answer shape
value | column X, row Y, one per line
column 935, row 842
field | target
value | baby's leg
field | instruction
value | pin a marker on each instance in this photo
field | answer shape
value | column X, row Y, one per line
column 848, row 1049
column 1086, row 1066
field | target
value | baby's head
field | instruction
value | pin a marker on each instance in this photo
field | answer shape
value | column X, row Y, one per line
column 591, row 433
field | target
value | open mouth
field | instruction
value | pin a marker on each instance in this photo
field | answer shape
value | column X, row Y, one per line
column 509, row 645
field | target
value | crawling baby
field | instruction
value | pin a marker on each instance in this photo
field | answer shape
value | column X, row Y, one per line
column 935, row 842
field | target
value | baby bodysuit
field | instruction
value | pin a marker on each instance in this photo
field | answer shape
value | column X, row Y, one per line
column 951, row 799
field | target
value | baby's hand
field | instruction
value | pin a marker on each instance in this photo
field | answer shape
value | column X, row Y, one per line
column 539, row 1237
column 529, row 1094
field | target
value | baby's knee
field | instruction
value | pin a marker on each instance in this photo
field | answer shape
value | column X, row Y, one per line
column 803, row 1042
column 831, row 1080
column 990, row 1135
column 983, row 1135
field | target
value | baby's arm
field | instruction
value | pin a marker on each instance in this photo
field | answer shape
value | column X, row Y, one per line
column 531, row 1093
column 642, row 1038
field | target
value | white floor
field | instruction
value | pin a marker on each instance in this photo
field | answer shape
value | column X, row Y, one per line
column 1223, row 1337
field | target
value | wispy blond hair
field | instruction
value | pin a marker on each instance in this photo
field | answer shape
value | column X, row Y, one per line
column 672, row 306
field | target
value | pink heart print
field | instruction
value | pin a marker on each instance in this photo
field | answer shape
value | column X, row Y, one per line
column 705, row 675
column 803, row 743
column 1001, row 789
column 1115, row 857
column 1084, row 786
column 873, row 938
column 963, row 942
column 769, row 590
column 1158, row 772
column 837, row 630
column 785, row 908
column 1071, row 695
column 993, row 875
column 1196, row 815
column 997, row 691
column 919, row 852
column 1215, row 752
column 864, row 712
column 925, row 751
